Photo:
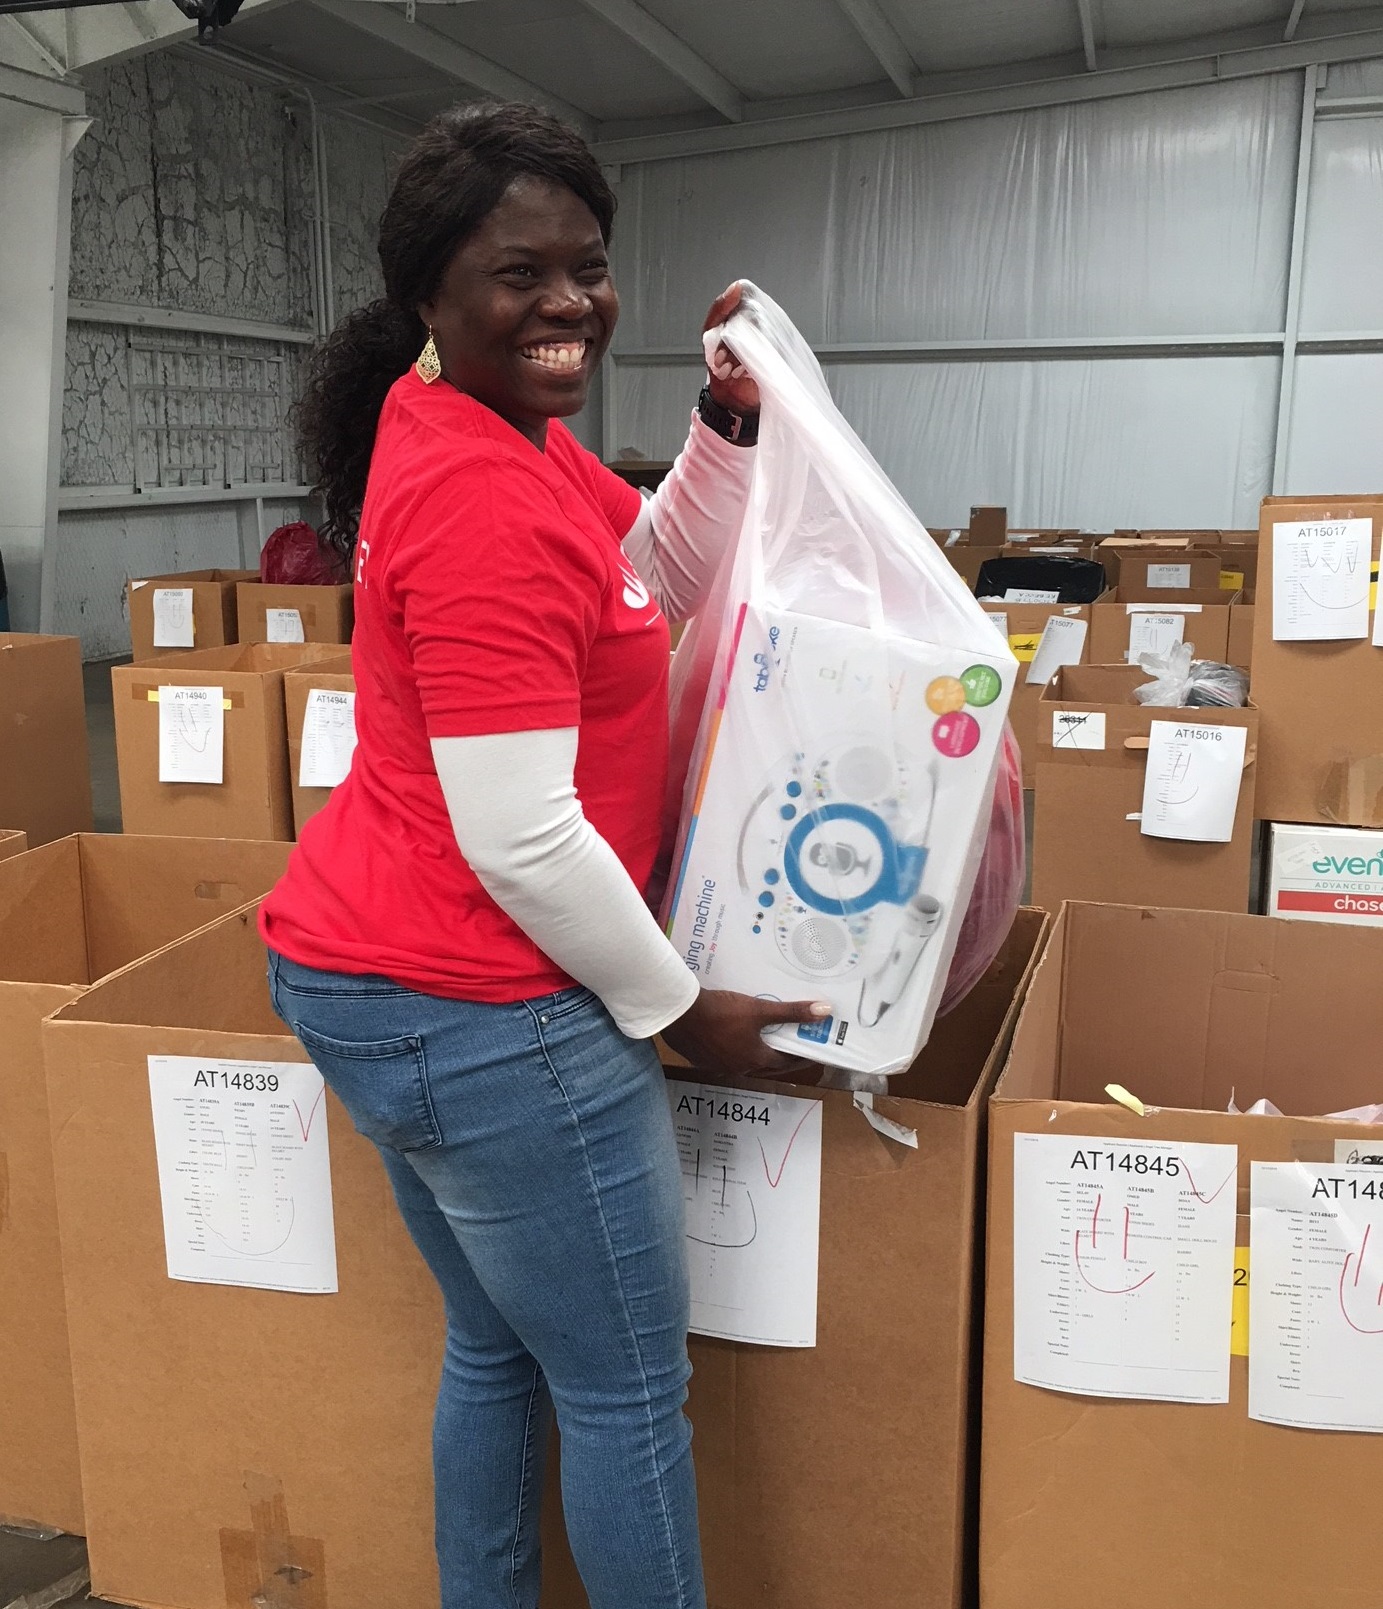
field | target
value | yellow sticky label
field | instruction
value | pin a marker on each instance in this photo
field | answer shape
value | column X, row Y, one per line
column 1231, row 580
column 1239, row 1323
column 1373, row 585
column 1024, row 644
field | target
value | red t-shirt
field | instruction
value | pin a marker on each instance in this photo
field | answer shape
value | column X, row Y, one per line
column 491, row 595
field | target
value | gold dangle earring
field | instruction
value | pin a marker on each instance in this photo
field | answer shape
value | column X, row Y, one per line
column 429, row 365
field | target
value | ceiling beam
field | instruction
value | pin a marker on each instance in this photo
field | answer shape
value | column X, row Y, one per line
column 444, row 54
column 41, row 89
column 37, row 44
column 1290, row 32
column 672, row 53
column 883, row 40
column 103, row 35
column 1087, row 34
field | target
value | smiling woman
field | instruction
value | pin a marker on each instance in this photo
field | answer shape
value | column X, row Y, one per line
column 462, row 941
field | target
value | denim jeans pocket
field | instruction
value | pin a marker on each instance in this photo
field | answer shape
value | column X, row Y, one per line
column 382, row 1084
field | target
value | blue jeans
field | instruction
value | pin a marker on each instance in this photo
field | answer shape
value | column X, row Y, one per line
column 532, row 1154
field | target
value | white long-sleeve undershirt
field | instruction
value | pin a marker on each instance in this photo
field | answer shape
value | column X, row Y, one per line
column 512, row 796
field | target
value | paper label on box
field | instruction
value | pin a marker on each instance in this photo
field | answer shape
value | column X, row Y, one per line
column 328, row 738
column 1191, row 786
column 1239, row 1327
column 1231, row 580
column 1360, row 1153
column 1171, row 576
column 1023, row 645
column 751, row 1182
column 174, row 626
column 191, row 734
column 1164, row 608
column 1000, row 623
column 1062, row 643
column 1321, row 580
column 1078, row 729
column 244, row 1173
column 1316, row 1301
column 1031, row 595
column 1153, row 633
column 1123, row 1266
column 283, row 625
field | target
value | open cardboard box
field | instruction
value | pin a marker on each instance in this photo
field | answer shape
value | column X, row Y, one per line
column 213, row 608
column 843, row 1474
column 1205, row 620
column 254, row 799
column 324, row 614
column 1099, row 1501
column 45, row 780
column 71, row 912
column 240, row 1448
column 332, row 675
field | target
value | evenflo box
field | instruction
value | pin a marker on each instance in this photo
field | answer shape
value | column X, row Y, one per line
column 240, row 1446
column 1151, row 1467
column 71, row 912
column 843, row 1473
column 1325, row 874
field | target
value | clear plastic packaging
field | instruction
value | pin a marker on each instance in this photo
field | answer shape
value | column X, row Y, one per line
column 838, row 721
column 1181, row 682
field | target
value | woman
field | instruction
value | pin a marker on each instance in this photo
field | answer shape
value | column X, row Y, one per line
column 461, row 940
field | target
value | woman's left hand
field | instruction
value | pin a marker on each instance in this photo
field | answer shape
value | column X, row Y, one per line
column 731, row 387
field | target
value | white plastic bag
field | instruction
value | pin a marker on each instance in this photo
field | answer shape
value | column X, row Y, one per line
column 838, row 716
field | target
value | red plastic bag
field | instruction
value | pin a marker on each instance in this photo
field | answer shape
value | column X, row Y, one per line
column 295, row 556
column 998, row 885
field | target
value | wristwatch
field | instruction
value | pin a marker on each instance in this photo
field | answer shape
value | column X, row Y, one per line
column 741, row 428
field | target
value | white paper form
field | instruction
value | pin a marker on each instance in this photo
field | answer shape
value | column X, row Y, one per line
column 1316, row 1299
column 1169, row 577
column 751, row 1181
column 173, row 622
column 1123, row 1266
column 1321, row 580
column 1078, row 729
column 1062, row 643
column 244, row 1173
column 1191, row 786
column 1150, row 633
column 283, row 625
column 1000, row 623
column 1031, row 595
column 328, row 738
column 191, row 734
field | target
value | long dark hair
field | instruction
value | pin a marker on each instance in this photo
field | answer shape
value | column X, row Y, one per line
column 449, row 181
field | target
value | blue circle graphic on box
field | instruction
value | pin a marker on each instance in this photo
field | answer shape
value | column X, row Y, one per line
column 794, row 789
column 788, row 812
column 842, row 860
column 771, row 875
column 765, row 900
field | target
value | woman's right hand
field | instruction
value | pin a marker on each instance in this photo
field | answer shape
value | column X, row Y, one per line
column 723, row 1032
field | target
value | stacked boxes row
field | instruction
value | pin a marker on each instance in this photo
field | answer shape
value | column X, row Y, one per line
column 211, row 608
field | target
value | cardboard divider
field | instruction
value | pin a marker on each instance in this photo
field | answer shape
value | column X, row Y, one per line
column 1242, row 616
column 45, row 777
column 71, row 911
column 1149, row 1504
column 181, row 1389
column 213, row 608
column 844, row 1473
column 12, row 842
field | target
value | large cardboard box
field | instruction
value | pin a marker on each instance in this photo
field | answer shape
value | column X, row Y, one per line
column 267, row 613
column 1160, row 561
column 240, row 1447
column 1087, row 843
column 1023, row 624
column 1242, row 615
column 1321, row 756
column 843, row 1474
column 988, row 525
column 334, row 676
column 254, row 799
column 45, row 779
column 1205, row 618
column 1092, row 1501
column 12, row 843
column 70, row 912
column 213, row 609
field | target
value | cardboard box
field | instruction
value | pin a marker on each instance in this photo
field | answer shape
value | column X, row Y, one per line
column 323, row 614
column 1321, row 754
column 1089, row 1500
column 332, row 675
column 239, row 1446
column 1164, row 563
column 254, row 799
column 1087, row 842
column 45, row 779
column 213, row 608
column 843, row 1474
column 988, row 526
column 1325, row 874
column 12, row 843
column 70, row 912
column 1204, row 620
column 1024, row 624
column 1242, row 616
